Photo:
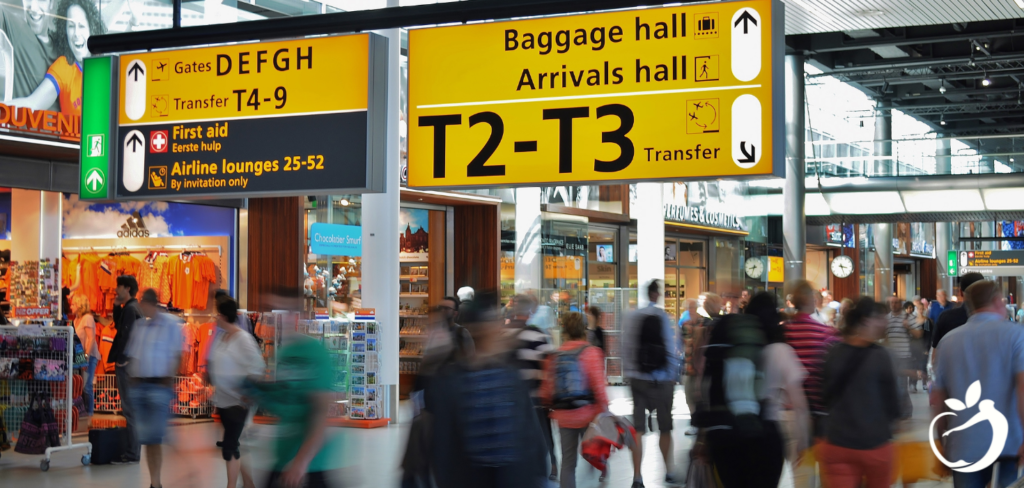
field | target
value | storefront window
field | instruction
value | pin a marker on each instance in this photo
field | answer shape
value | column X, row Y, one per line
column 606, row 198
column 332, row 283
column 684, row 273
column 602, row 267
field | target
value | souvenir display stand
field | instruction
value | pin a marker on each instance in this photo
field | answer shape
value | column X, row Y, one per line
column 34, row 363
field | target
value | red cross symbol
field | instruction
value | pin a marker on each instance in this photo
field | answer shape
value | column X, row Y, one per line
column 158, row 141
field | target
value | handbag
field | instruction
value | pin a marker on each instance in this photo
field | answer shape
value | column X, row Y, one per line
column 38, row 428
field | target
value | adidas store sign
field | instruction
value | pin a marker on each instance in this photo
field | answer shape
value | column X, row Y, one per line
column 134, row 227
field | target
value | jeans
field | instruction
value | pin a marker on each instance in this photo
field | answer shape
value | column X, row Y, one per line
column 132, row 449
column 151, row 404
column 1007, row 475
column 549, row 440
column 570, row 454
column 90, row 377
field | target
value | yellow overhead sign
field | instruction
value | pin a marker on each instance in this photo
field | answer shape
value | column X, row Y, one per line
column 654, row 94
column 316, row 75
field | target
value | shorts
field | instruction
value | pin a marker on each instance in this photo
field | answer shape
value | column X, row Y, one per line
column 652, row 395
column 233, row 419
column 152, row 407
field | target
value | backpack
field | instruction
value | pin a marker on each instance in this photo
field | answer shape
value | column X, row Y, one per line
column 652, row 355
column 571, row 388
column 734, row 376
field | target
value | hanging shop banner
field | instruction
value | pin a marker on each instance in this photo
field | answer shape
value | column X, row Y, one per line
column 654, row 94
column 991, row 263
column 292, row 117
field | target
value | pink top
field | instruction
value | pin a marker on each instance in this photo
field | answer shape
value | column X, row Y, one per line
column 592, row 363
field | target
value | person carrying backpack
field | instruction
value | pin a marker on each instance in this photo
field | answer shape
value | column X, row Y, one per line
column 574, row 388
column 651, row 362
column 750, row 372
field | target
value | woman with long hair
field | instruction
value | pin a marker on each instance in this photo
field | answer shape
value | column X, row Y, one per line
column 85, row 329
column 75, row 21
column 862, row 401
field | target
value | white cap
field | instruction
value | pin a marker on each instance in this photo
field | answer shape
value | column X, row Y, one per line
column 466, row 294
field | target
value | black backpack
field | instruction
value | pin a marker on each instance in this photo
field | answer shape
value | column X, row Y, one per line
column 652, row 355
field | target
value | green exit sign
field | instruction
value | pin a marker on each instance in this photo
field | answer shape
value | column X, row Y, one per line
column 98, row 148
column 951, row 267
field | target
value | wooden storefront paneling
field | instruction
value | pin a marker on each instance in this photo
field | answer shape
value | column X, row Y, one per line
column 435, row 273
column 274, row 254
column 477, row 250
column 929, row 278
column 848, row 287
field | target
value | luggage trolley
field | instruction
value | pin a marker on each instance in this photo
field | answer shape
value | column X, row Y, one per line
column 38, row 343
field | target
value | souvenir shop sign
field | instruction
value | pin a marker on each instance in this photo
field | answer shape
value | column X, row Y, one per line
column 293, row 117
column 991, row 263
column 654, row 94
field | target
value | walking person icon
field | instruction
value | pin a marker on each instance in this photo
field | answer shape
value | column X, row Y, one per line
column 705, row 68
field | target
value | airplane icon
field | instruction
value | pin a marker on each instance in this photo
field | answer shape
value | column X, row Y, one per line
column 161, row 72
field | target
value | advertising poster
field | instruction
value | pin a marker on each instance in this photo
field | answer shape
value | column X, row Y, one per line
column 414, row 237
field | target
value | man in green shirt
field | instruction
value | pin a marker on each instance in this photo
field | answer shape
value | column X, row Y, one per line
column 28, row 32
column 305, row 452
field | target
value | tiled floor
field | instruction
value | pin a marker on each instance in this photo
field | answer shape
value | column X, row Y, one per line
column 371, row 457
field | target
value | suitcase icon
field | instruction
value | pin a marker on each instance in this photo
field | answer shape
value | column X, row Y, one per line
column 706, row 23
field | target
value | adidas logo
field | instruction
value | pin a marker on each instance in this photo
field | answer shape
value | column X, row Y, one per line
column 133, row 227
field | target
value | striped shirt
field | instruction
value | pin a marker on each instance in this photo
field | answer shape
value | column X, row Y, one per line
column 810, row 340
column 534, row 347
column 897, row 337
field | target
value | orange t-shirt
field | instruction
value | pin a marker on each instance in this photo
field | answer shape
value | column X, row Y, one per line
column 67, row 79
column 180, row 272
column 205, row 273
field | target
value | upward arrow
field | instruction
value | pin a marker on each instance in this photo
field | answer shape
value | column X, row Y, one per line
column 745, row 17
column 95, row 180
column 135, row 142
column 136, row 70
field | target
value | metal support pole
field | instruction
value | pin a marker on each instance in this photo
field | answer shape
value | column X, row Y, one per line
column 883, row 260
column 883, row 143
column 794, row 225
column 943, row 238
column 176, row 14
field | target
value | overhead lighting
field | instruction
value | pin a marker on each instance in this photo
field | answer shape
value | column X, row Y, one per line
column 344, row 202
column 1004, row 198
column 942, row 200
column 986, row 81
column 942, row 118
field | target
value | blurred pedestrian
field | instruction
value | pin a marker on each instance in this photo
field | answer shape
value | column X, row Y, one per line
column 533, row 346
column 845, row 305
column 651, row 361
column 744, row 300
column 574, row 387
column 153, row 354
column 982, row 359
column 595, row 332
column 897, row 340
column 939, row 305
column 305, row 451
column 862, row 400
column 920, row 343
column 484, row 409
column 694, row 339
column 234, row 357
column 956, row 314
column 742, row 417
column 126, row 313
column 85, row 329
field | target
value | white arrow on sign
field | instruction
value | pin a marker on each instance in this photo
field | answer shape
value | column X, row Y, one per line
column 134, row 166
column 95, row 179
column 135, row 89
column 746, row 44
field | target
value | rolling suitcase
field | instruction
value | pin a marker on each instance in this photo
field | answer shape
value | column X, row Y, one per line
column 107, row 444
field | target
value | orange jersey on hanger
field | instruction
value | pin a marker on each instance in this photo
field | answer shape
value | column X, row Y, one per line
column 205, row 274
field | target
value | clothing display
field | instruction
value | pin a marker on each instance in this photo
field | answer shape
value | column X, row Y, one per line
column 182, row 280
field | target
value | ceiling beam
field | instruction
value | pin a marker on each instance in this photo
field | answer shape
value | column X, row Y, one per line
column 833, row 42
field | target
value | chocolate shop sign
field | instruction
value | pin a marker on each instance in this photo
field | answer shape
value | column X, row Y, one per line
column 700, row 215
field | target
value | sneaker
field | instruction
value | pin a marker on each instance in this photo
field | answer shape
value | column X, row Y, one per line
column 553, row 477
column 124, row 460
column 671, row 480
column 638, row 484
column 603, row 477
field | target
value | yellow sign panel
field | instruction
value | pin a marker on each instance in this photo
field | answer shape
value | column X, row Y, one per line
column 654, row 94
column 317, row 75
column 776, row 269
column 563, row 267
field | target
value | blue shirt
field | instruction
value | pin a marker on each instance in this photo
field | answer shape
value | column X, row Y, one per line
column 935, row 309
column 154, row 347
column 630, row 346
column 684, row 317
column 988, row 349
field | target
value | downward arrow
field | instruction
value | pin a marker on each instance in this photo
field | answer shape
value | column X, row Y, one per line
column 748, row 157
column 745, row 17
